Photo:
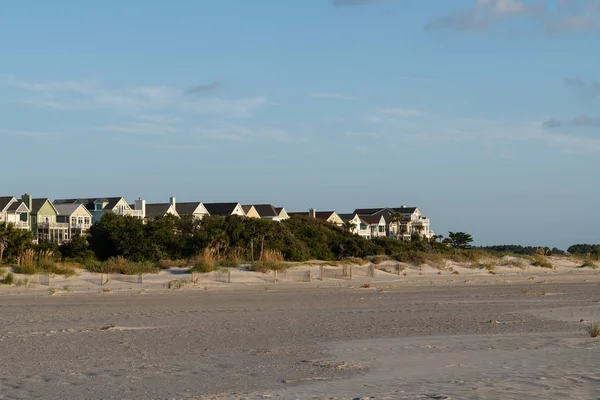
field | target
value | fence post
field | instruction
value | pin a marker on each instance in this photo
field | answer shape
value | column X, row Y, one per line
column 141, row 279
column 228, row 276
column 49, row 280
column 101, row 279
column 321, row 270
column 309, row 275
column 350, row 273
column 275, row 275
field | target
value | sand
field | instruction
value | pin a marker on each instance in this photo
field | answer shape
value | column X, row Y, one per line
column 429, row 336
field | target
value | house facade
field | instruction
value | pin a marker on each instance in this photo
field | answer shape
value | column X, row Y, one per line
column 14, row 212
column 78, row 218
column 99, row 206
column 401, row 222
column 44, row 222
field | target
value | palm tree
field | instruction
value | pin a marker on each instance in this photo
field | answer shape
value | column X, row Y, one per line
column 349, row 226
column 397, row 219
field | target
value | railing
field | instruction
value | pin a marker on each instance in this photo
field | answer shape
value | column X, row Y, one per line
column 81, row 226
column 21, row 224
column 53, row 225
column 133, row 213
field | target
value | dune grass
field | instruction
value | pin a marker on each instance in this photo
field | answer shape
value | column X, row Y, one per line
column 593, row 330
column 120, row 265
column 271, row 260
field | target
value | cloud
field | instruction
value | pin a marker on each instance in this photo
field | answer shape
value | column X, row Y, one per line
column 333, row 96
column 339, row 3
column 552, row 123
column 139, row 128
column 551, row 16
column 585, row 121
column 238, row 133
column 211, row 87
column 30, row 134
column 400, row 112
column 586, row 89
column 71, row 95
column 484, row 13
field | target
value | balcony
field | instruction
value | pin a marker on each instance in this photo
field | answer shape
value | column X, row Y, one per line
column 52, row 225
column 21, row 224
column 81, row 227
column 134, row 213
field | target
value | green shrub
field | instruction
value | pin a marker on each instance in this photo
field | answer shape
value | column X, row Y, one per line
column 271, row 261
column 119, row 265
column 9, row 279
column 205, row 262
column 541, row 261
column 589, row 264
column 26, row 269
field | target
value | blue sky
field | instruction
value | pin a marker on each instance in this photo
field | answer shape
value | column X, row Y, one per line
column 484, row 113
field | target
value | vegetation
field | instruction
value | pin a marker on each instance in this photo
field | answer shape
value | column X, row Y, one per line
column 8, row 279
column 120, row 265
column 589, row 264
column 271, row 261
column 593, row 330
column 460, row 240
column 541, row 261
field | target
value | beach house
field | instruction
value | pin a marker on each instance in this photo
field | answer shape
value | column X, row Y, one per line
column 14, row 212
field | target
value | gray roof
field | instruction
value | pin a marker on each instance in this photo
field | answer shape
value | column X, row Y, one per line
column 266, row 210
column 67, row 209
column 347, row 217
column 371, row 219
column 384, row 210
column 4, row 202
column 157, row 210
column 324, row 214
column 247, row 208
column 15, row 206
column 187, row 208
column 223, row 209
column 89, row 202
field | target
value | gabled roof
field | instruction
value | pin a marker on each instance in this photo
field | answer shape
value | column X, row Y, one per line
column 223, row 209
column 188, row 208
column 266, row 210
column 371, row 219
column 247, row 208
column 37, row 204
column 4, row 202
column 69, row 209
column 89, row 202
column 405, row 210
column 157, row 210
column 324, row 214
column 70, row 201
column 382, row 210
column 347, row 217
column 15, row 206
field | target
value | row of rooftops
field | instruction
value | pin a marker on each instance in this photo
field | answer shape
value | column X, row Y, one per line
column 152, row 210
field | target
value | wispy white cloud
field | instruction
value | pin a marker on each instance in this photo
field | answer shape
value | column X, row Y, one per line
column 139, row 128
column 90, row 95
column 30, row 133
column 550, row 16
column 400, row 112
column 339, row 3
column 436, row 130
column 333, row 96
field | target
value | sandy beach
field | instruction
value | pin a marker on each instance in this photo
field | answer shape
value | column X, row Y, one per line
column 513, row 335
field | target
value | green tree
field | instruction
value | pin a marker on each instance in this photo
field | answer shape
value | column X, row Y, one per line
column 460, row 240
column 349, row 226
column 5, row 231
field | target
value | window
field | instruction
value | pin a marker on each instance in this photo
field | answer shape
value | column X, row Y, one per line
column 381, row 228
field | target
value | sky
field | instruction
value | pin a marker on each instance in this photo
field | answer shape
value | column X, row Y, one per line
column 483, row 113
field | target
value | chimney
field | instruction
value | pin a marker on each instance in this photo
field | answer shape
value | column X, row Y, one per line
column 27, row 200
column 173, row 202
column 312, row 213
column 141, row 205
